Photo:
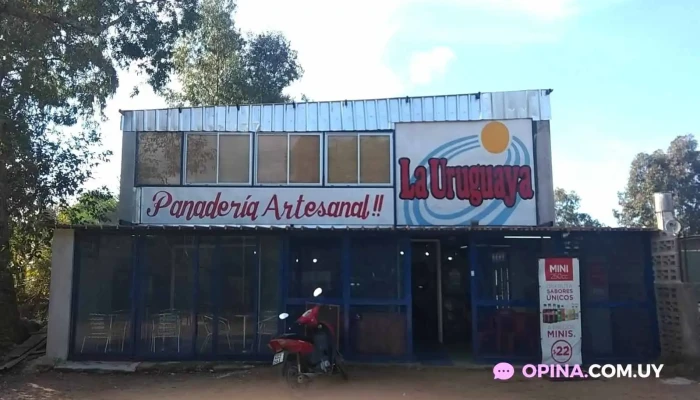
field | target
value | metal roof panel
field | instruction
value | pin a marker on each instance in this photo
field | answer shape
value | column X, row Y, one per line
column 344, row 115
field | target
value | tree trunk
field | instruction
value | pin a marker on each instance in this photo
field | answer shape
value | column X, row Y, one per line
column 9, row 313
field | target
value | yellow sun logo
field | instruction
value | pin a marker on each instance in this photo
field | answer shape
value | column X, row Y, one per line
column 495, row 137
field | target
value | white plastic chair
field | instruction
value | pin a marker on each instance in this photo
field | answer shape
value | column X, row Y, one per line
column 99, row 328
column 208, row 322
column 165, row 326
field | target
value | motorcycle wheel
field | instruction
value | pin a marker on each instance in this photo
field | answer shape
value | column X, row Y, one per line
column 290, row 371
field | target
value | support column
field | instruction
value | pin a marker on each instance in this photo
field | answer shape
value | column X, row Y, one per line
column 61, row 290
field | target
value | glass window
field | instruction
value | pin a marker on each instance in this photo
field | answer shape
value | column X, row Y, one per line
column 207, row 293
column 270, row 262
column 201, row 158
column 304, row 159
column 159, row 158
column 315, row 262
column 237, row 316
column 284, row 159
column 375, row 159
column 218, row 158
column 168, row 292
column 622, row 332
column 272, row 159
column 376, row 269
column 612, row 268
column 509, row 271
column 103, row 322
column 359, row 159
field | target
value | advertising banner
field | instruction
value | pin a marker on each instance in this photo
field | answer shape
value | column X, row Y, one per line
column 560, row 311
column 267, row 206
column 459, row 173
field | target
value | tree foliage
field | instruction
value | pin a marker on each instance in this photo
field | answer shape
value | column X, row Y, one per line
column 218, row 65
column 58, row 66
column 676, row 170
column 31, row 248
column 567, row 210
column 96, row 206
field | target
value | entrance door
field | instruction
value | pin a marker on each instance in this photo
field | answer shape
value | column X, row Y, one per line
column 427, row 294
column 456, row 297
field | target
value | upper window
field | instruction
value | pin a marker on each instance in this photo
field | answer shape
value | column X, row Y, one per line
column 218, row 158
column 363, row 159
column 159, row 158
column 289, row 159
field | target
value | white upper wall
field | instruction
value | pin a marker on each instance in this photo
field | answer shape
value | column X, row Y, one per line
column 344, row 115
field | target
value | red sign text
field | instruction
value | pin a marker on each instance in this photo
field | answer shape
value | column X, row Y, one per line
column 474, row 183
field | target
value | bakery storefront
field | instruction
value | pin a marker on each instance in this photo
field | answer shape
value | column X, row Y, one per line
column 423, row 230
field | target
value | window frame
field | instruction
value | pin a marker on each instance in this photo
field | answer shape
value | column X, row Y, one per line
column 321, row 146
column 359, row 135
column 218, row 155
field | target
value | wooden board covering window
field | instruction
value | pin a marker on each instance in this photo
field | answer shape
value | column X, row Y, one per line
column 342, row 159
column 234, row 158
column 272, row 159
column 375, row 159
column 304, row 159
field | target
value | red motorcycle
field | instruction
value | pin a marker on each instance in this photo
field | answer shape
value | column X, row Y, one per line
column 306, row 355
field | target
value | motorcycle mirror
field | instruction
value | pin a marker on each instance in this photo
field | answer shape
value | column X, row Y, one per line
column 284, row 315
column 318, row 292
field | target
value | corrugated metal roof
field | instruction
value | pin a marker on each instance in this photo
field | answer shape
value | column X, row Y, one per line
column 348, row 228
column 344, row 115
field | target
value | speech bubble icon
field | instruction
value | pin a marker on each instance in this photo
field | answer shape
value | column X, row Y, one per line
column 503, row 371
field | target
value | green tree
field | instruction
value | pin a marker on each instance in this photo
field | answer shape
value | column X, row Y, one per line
column 676, row 170
column 96, row 206
column 217, row 65
column 58, row 66
column 31, row 248
column 566, row 209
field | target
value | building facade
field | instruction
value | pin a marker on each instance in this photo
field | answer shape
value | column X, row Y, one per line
column 421, row 218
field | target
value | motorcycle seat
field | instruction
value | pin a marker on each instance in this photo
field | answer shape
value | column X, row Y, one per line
column 296, row 336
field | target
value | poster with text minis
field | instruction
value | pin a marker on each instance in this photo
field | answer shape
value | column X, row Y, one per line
column 560, row 310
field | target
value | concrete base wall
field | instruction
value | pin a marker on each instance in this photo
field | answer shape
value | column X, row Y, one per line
column 58, row 337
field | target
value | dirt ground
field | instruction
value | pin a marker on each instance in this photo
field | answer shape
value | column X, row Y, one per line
column 365, row 384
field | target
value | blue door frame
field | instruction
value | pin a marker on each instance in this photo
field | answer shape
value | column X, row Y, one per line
column 485, row 243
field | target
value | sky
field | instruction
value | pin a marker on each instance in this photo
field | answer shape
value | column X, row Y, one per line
column 624, row 72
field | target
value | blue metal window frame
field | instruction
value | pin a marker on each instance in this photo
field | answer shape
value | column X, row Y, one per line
column 128, row 354
column 136, row 350
column 346, row 301
column 402, row 243
column 649, row 304
column 140, row 351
